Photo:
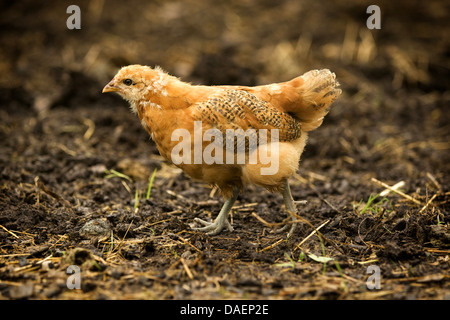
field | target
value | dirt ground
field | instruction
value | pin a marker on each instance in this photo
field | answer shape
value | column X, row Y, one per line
column 75, row 164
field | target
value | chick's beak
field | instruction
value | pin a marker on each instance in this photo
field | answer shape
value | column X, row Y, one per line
column 110, row 87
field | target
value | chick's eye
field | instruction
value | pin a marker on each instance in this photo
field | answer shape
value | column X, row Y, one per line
column 128, row 82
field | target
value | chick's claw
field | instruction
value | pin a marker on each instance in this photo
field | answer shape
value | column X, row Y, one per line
column 213, row 228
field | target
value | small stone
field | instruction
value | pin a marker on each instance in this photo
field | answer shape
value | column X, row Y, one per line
column 21, row 292
column 96, row 228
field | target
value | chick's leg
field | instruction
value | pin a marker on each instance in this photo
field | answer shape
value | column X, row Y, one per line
column 290, row 207
column 213, row 228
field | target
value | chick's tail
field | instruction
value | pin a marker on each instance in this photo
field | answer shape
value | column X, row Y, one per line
column 315, row 91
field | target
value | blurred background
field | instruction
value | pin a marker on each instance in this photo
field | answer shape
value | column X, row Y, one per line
column 225, row 42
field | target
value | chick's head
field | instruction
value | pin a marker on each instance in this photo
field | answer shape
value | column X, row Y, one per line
column 132, row 82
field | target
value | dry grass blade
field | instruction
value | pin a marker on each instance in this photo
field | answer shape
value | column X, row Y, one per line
column 434, row 181
column 271, row 246
column 186, row 268
column 428, row 203
column 404, row 195
column 51, row 193
column 123, row 239
column 396, row 186
column 189, row 244
column 266, row 223
column 311, row 234
column 320, row 235
column 90, row 130
column 10, row 232
column 244, row 206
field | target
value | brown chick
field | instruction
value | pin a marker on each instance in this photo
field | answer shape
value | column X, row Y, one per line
column 229, row 136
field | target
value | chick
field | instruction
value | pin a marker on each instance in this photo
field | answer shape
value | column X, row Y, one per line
column 229, row 136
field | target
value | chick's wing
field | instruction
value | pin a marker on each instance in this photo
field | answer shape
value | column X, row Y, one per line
column 239, row 109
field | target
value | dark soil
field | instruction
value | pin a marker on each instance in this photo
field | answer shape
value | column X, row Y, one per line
column 60, row 138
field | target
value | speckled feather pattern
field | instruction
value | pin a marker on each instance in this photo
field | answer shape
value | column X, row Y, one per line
column 224, row 109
